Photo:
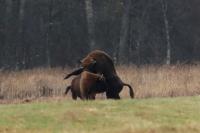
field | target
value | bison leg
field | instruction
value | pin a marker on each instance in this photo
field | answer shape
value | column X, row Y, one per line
column 67, row 89
column 75, row 72
column 74, row 96
column 92, row 96
column 116, row 96
column 112, row 95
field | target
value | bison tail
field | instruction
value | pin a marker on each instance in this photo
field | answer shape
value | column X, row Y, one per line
column 131, row 92
column 67, row 90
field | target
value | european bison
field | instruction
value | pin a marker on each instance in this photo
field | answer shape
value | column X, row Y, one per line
column 102, row 63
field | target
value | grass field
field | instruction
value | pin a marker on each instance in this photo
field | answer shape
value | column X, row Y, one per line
column 157, row 115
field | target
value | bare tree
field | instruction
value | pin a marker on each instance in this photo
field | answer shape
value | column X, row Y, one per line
column 164, row 10
column 48, row 33
column 58, row 32
column 7, row 29
column 21, row 35
column 124, row 33
column 90, row 23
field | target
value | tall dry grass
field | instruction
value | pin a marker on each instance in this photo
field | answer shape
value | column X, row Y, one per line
column 147, row 81
column 162, row 81
column 34, row 83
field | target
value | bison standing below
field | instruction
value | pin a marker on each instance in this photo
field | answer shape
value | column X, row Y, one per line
column 86, row 86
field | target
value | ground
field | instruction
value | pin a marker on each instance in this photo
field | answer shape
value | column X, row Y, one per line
column 156, row 115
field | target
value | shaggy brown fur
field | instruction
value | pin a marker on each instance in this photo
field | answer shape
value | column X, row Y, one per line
column 104, row 65
column 86, row 85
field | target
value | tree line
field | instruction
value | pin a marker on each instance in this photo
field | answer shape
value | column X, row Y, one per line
column 51, row 33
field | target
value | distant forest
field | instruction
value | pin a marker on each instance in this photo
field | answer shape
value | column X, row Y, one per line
column 57, row 33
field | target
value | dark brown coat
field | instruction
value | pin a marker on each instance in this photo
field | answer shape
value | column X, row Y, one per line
column 86, row 86
column 100, row 62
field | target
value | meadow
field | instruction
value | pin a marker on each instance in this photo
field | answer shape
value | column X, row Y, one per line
column 154, row 115
column 147, row 81
column 166, row 101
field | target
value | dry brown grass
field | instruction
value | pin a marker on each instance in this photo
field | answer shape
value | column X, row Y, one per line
column 148, row 81
column 163, row 81
column 31, row 84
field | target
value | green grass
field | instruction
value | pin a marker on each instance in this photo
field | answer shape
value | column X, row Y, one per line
column 159, row 115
